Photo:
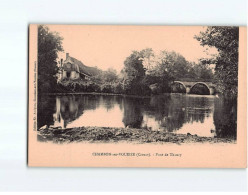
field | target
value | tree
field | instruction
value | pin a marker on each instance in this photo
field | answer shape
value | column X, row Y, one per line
column 134, row 74
column 200, row 71
column 169, row 66
column 147, row 56
column 226, row 41
column 173, row 63
column 110, row 75
column 49, row 44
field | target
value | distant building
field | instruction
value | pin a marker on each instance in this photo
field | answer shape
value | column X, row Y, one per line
column 73, row 69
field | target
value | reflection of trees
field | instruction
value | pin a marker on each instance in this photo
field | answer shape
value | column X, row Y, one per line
column 64, row 109
column 170, row 112
column 173, row 111
column 132, row 112
column 167, row 111
column 225, row 118
column 198, row 108
column 108, row 101
column 176, row 114
column 45, row 110
column 158, row 106
column 119, row 101
column 73, row 106
column 61, row 110
column 197, row 115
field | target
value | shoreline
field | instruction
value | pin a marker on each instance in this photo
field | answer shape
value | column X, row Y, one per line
column 97, row 93
column 124, row 95
column 115, row 135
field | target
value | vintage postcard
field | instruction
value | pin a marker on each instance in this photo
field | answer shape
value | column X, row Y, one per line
column 137, row 96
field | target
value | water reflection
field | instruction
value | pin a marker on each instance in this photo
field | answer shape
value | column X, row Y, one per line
column 133, row 108
column 225, row 118
column 179, row 113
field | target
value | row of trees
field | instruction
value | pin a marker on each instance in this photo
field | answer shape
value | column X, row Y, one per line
column 145, row 69
column 145, row 72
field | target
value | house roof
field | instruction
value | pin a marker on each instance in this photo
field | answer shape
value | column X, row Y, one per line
column 71, row 64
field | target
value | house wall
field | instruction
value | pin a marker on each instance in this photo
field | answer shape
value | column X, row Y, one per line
column 64, row 74
column 59, row 76
column 71, row 71
column 77, row 75
column 74, row 75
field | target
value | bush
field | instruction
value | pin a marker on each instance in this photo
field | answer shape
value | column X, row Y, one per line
column 69, row 86
column 107, row 88
column 118, row 88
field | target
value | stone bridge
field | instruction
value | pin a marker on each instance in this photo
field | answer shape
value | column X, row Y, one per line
column 189, row 86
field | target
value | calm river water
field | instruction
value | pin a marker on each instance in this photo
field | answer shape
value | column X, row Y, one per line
column 207, row 116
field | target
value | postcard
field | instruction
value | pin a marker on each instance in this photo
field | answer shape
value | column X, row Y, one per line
column 137, row 96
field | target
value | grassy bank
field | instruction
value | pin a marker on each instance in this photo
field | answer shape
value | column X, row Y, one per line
column 108, row 134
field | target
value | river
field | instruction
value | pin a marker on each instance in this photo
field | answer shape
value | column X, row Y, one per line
column 207, row 116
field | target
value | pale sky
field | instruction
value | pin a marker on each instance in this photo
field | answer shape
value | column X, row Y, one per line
column 108, row 46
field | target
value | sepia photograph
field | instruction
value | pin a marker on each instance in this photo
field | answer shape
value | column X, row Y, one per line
column 136, row 85
column 157, row 84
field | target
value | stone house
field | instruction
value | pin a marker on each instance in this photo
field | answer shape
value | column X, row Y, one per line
column 73, row 69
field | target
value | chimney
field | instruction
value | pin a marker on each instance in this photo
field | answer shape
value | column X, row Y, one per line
column 67, row 56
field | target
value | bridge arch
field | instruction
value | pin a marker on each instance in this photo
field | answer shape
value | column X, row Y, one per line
column 202, row 83
column 181, row 83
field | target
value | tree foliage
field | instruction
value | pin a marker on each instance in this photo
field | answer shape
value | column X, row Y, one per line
column 226, row 41
column 49, row 44
column 108, row 76
column 173, row 63
column 143, row 69
column 134, row 74
column 200, row 71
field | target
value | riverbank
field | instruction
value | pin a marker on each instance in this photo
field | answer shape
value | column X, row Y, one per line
column 99, row 93
column 126, row 95
column 112, row 135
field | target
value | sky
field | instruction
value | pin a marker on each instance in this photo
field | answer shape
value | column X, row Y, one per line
column 107, row 46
